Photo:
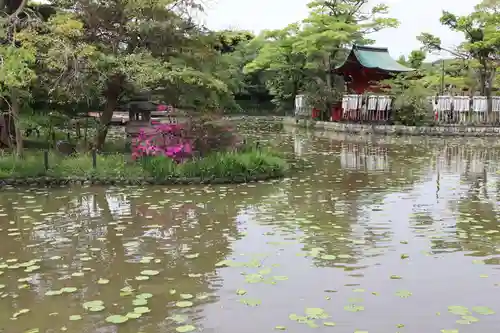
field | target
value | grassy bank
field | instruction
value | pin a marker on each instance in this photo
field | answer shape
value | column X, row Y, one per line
column 119, row 166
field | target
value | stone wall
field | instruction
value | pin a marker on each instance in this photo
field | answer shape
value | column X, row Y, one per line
column 443, row 130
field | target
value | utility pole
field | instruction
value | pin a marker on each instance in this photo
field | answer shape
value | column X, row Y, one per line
column 442, row 77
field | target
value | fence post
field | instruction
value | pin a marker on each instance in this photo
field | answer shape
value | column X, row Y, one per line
column 46, row 159
column 94, row 158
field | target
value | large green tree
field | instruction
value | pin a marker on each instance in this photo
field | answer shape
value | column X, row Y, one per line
column 481, row 48
column 303, row 56
column 100, row 51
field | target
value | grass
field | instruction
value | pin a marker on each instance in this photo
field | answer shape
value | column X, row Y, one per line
column 119, row 166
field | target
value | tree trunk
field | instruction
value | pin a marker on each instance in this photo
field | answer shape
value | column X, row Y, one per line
column 16, row 110
column 112, row 94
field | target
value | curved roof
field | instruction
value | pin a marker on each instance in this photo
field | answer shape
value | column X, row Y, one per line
column 373, row 57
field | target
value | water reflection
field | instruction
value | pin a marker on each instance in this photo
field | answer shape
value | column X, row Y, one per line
column 373, row 227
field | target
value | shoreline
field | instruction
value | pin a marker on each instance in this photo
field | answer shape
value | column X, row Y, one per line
column 436, row 131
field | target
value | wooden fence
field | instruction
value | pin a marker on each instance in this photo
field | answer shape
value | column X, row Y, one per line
column 379, row 109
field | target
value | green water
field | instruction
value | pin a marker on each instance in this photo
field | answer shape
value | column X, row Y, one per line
column 387, row 235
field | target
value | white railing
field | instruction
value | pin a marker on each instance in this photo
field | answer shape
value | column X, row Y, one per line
column 376, row 108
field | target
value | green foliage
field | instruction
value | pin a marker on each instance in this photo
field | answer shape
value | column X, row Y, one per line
column 301, row 58
column 481, row 48
column 118, row 166
column 411, row 104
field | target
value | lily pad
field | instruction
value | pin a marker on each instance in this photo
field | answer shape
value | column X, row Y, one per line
column 186, row 296
column 185, row 328
column 149, row 272
column 139, row 301
column 354, row 308
column 250, row 301
column 280, row 277
column 116, row 319
column 102, row 281
column 328, row 257
column 458, row 310
column 184, row 304
column 403, row 293
column 133, row 315
column 483, row 310
column 91, row 304
column 75, row 317
column 69, row 290
column 142, row 309
column 241, row 292
column 96, row 308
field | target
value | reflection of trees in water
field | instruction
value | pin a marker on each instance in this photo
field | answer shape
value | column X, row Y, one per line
column 477, row 221
column 329, row 202
column 103, row 234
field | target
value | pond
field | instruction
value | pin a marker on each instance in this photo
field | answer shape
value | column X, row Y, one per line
column 380, row 235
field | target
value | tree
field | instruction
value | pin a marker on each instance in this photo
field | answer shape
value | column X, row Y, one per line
column 481, row 30
column 16, row 63
column 303, row 56
column 98, row 52
column 416, row 59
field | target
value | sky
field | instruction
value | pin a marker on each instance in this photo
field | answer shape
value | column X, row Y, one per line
column 415, row 17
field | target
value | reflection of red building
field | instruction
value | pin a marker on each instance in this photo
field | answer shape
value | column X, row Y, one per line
column 364, row 68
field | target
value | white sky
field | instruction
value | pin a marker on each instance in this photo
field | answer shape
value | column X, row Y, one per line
column 415, row 17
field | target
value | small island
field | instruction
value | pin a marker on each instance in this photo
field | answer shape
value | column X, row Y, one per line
column 196, row 152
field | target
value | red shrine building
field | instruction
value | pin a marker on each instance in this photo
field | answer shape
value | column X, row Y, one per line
column 365, row 66
column 362, row 70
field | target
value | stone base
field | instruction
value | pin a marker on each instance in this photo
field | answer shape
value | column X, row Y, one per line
column 438, row 130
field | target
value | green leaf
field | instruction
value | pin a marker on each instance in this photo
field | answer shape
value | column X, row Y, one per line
column 116, row 319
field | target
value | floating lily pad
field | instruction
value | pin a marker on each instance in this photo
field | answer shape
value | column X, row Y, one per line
column 354, row 308
column 328, row 257
column 97, row 308
column 116, row 319
column 241, row 292
column 75, row 317
column 53, row 292
column 142, row 309
column 192, row 255
column 403, row 293
column 458, row 310
column 142, row 278
column 483, row 310
column 186, row 296
column 149, row 272
column 329, row 323
column 69, row 290
column 316, row 313
column 280, row 277
column 250, row 301
column 280, row 328
column 92, row 304
column 185, row 328
column 133, row 315
column 139, row 301
column 102, row 281
column 184, row 304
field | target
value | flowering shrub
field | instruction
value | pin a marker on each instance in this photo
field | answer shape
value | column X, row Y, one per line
column 180, row 141
column 162, row 140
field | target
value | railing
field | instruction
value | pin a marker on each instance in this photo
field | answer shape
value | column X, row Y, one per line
column 464, row 110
